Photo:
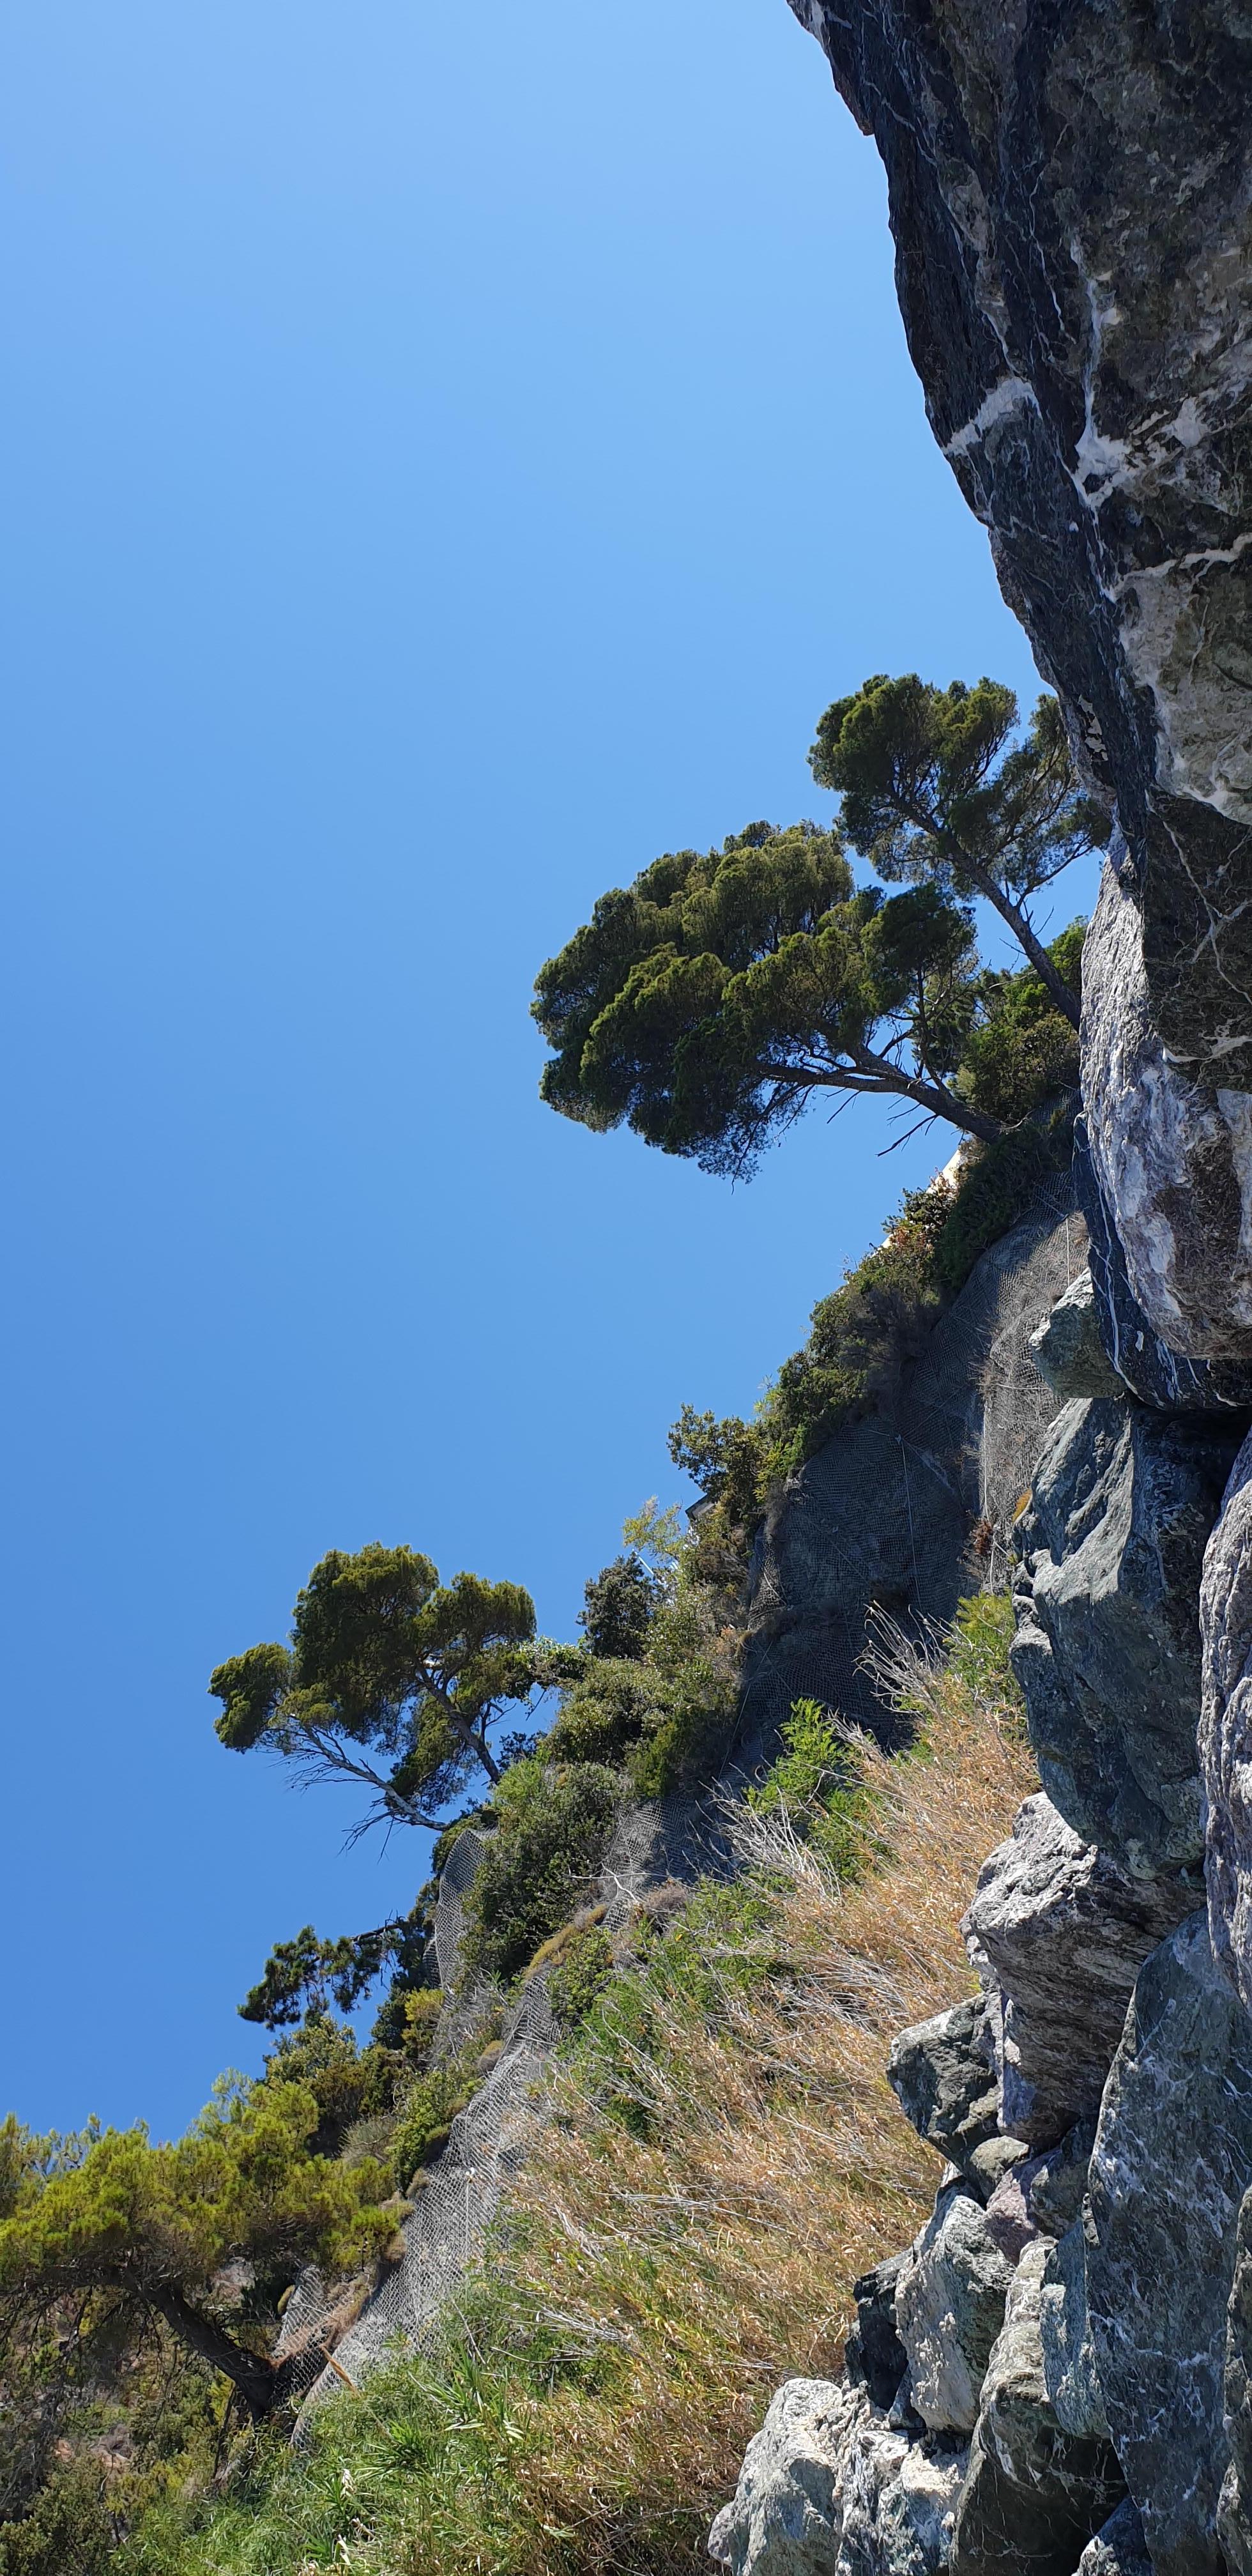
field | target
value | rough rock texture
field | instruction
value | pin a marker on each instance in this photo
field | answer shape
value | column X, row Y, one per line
column 956, row 1446
column 786, row 2516
column 874, row 2356
column 1069, row 198
column 950, row 2308
column 828, row 2488
column 1171, row 2164
column 1108, row 1642
column 1152, row 1372
column 942, row 2075
column 1067, row 1349
column 1034, row 2494
column 1234, row 2517
column 1172, row 1156
column 1120, row 2549
column 1065, row 1933
column 1069, row 2371
column 1226, row 1726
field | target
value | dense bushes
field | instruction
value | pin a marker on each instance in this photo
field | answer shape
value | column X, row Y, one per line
column 552, row 1827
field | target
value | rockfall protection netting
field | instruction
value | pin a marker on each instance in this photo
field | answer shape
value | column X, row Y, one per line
column 976, row 1415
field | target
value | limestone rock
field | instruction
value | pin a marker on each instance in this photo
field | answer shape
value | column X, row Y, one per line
column 1226, row 1726
column 950, row 2307
column 898, row 2512
column 1171, row 2164
column 1234, row 2517
column 1058, row 2180
column 1068, row 192
column 1067, row 1349
column 1141, row 1361
column 786, row 2515
column 1033, row 2494
column 1069, row 2371
column 1065, row 1933
column 942, row 2075
column 1108, row 1643
column 1172, row 1156
column 1120, row 2549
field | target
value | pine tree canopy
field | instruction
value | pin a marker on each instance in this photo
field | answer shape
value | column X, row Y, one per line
column 390, row 1678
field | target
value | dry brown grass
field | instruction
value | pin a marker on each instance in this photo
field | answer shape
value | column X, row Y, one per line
column 650, row 2290
column 717, row 2257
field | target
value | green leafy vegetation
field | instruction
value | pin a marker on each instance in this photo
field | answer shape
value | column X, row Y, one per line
column 552, row 1824
column 723, row 2157
column 708, row 1002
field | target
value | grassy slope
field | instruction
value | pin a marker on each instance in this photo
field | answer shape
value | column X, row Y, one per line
column 724, row 2158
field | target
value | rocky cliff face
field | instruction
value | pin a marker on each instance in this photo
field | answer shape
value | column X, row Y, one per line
column 1069, row 2336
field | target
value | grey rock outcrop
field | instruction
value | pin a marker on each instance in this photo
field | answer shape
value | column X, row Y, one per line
column 828, row 2488
column 1067, row 1349
column 1234, row 2513
column 1226, row 1726
column 1069, row 2371
column 1065, row 1933
column 953, row 1445
column 1034, row 2494
column 1172, row 1156
column 1171, row 2165
column 1108, row 1642
column 1069, row 199
column 1143, row 1363
column 1120, row 2549
column 942, row 2075
column 950, row 2307
column 786, row 2515
column 874, row 2356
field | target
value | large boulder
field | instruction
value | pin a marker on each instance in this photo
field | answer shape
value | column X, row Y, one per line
column 1069, row 2367
column 1120, row 2548
column 949, row 2301
column 1108, row 1643
column 786, row 2515
column 1065, row 1933
column 1142, row 1362
column 943, row 2076
column 1067, row 1348
column 1172, row 1155
column 1068, row 191
column 1226, row 1726
column 1034, row 2493
column 1170, row 2168
column 874, row 2356
column 829, row 2487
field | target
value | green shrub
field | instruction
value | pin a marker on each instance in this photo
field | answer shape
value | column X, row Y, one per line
column 996, row 1190
column 603, row 1713
column 818, row 1783
column 426, row 2115
column 580, row 1974
column 553, row 1824
column 68, row 2531
column 978, row 1648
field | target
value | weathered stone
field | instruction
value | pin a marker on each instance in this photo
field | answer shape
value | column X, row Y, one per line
column 1171, row 2164
column 1069, row 2370
column 874, row 2354
column 950, row 2307
column 942, row 2075
column 1065, row 1933
column 1172, row 1156
column 898, row 2513
column 1120, row 2549
column 1108, row 1643
column 1009, row 2222
column 951, row 1441
column 1152, row 1372
column 1234, row 2515
column 1033, row 2494
column 786, row 2515
column 1058, row 2180
column 1068, row 190
column 1067, row 1349
column 1226, row 1726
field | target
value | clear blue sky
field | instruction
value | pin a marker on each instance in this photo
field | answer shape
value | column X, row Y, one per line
column 450, row 455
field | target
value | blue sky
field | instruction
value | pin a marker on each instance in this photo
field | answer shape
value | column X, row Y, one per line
column 451, row 456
